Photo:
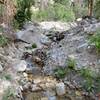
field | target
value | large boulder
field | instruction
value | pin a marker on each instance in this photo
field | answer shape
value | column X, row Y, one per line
column 33, row 35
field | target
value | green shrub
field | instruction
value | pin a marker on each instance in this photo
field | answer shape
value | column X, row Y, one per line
column 3, row 40
column 97, row 9
column 89, row 76
column 55, row 12
column 95, row 39
column 23, row 12
column 60, row 72
column 86, row 73
column 71, row 64
column 34, row 45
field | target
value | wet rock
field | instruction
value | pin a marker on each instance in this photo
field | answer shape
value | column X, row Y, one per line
column 91, row 48
column 60, row 89
column 20, row 65
column 57, row 36
column 39, row 57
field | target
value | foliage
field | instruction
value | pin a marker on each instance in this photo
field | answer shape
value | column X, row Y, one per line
column 97, row 9
column 55, row 12
column 9, row 94
column 88, row 75
column 64, row 2
column 80, row 11
column 3, row 40
column 23, row 12
column 71, row 64
column 60, row 72
column 95, row 39
column 34, row 45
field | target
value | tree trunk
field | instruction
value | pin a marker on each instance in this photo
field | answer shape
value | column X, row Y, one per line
column 90, row 7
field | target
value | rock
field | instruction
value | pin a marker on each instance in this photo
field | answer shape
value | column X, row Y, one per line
column 91, row 48
column 50, row 93
column 81, row 48
column 27, row 86
column 92, row 28
column 25, row 75
column 20, row 65
column 59, row 26
column 4, row 85
column 31, row 35
column 60, row 89
column 45, row 40
column 37, row 81
column 56, row 57
column 52, row 98
column 1, row 68
column 35, row 88
column 44, row 98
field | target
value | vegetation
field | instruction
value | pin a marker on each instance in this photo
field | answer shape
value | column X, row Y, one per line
column 9, row 94
column 71, row 64
column 88, row 75
column 97, row 9
column 3, row 40
column 34, row 45
column 23, row 12
column 56, row 12
column 60, row 72
column 95, row 39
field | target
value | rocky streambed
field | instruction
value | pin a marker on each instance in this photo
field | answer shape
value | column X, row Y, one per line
column 46, row 63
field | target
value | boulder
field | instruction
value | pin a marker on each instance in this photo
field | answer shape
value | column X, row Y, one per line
column 60, row 89
column 20, row 65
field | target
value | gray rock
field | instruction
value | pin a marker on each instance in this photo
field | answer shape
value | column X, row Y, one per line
column 60, row 89
column 56, row 57
column 1, row 68
column 45, row 40
column 30, row 37
column 20, row 65
column 81, row 48
column 92, row 28
column 52, row 98
column 35, row 88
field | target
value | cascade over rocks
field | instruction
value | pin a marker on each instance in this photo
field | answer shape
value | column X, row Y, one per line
column 33, row 66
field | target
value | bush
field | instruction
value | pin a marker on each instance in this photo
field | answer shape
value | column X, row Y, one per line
column 71, row 64
column 97, row 9
column 95, row 39
column 60, row 72
column 3, row 40
column 23, row 12
column 55, row 12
